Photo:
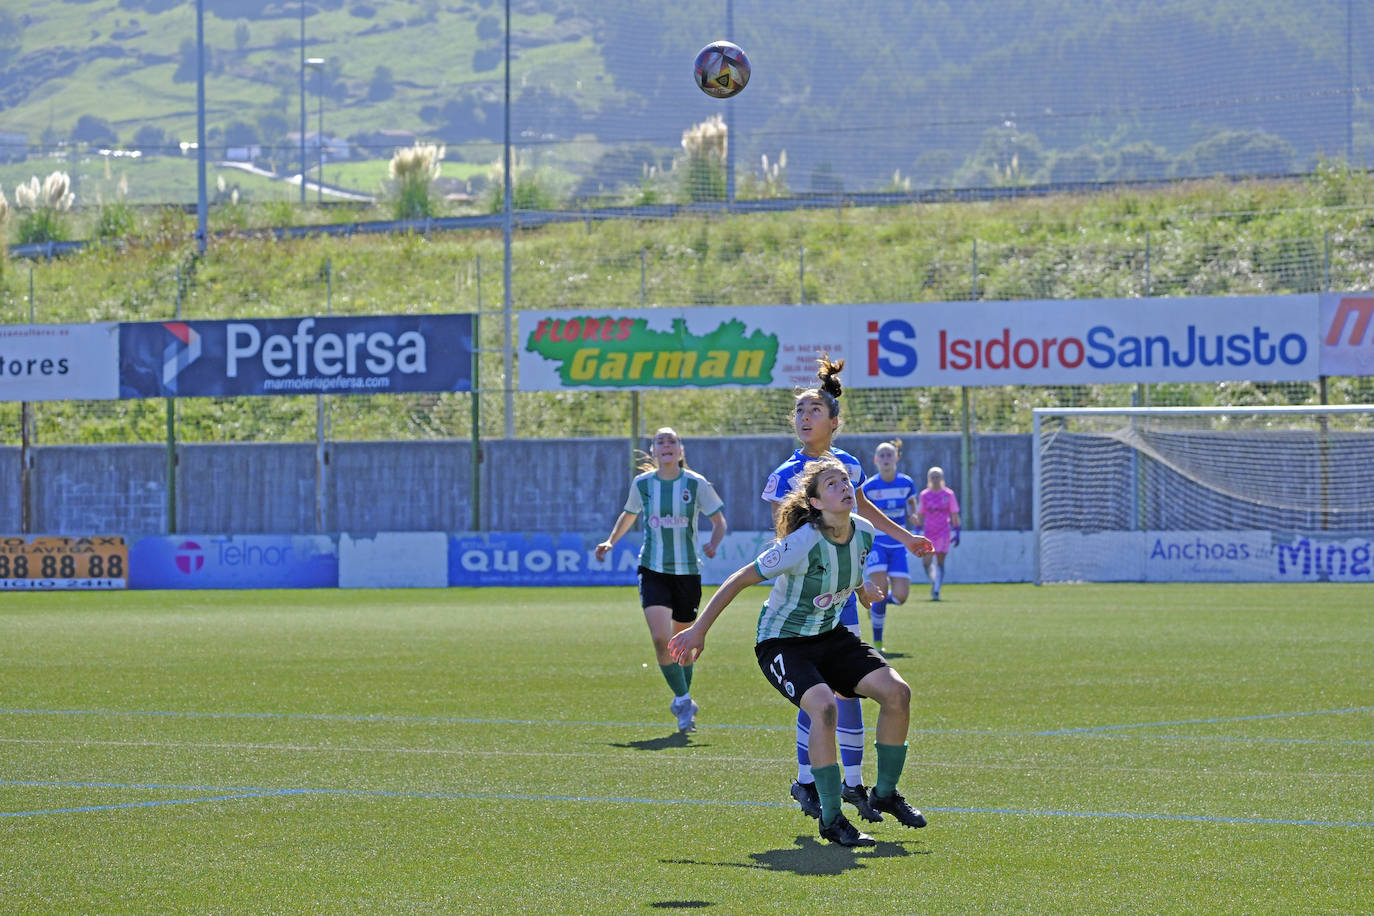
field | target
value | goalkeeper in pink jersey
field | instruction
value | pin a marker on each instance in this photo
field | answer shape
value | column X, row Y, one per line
column 937, row 516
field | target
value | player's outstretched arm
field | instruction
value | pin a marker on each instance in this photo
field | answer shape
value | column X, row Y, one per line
column 718, row 529
column 622, row 525
column 687, row 646
column 913, row 542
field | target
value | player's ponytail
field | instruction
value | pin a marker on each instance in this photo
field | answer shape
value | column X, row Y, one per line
column 830, row 389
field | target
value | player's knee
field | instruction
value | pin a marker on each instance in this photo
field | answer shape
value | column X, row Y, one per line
column 823, row 710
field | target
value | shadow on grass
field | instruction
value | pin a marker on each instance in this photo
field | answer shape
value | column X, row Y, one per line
column 681, row 904
column 676, row 739
column 811, row 857
column 888, row 654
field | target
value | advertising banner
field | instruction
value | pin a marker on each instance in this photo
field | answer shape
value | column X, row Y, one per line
column 59, row 362
column 1347, row 334
column 354, row 355
column 58, row 562
column 234, row 561
column 1054, row 342
column 1220, row 556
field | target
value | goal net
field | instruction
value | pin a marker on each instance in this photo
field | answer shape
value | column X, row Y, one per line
column 1203, row 494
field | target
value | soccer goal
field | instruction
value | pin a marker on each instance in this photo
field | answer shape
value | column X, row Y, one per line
column 1203, row 494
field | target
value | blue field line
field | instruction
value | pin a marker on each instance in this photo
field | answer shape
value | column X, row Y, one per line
column 239, row 792
column 86, row 809
column 1212, row 721
column 1103, row 731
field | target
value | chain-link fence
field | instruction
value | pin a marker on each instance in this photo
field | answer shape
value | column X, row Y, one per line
column 706, row 262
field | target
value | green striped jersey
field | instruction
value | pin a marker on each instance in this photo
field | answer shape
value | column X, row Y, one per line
column 814, row 578
column 669, row 509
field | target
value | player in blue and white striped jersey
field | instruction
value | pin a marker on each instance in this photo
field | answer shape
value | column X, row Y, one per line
column 805, row 651
column 894, row 494
column 668, row 496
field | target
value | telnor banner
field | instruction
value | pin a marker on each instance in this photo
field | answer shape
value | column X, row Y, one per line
column 346, row 355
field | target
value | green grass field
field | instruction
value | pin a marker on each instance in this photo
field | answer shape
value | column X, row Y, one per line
column 1080, row 749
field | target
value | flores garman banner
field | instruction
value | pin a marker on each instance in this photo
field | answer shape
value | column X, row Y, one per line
column 355, row 355
column 1042, row 342
column 59, row 362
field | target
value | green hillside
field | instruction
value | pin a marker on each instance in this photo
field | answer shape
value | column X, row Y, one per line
column 1206, row 238
column 888, row 94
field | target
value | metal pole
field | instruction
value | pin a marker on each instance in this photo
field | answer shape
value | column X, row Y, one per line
column 729, row 116
column 475, row 402
column 1147, row 265
column 201, row 204
column 319, row 136
column 966, row 457
column 506, row 223
column 634, row 427
column 1036, row 495
column 643, row 293
column 25, row 456
column 1350, row 85
column 1326, row 259
column 974, row 285
column 321, row 456
column 302, row 101
column 172, row 437
column 801, row 275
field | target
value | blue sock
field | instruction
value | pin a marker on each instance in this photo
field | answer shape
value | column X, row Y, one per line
column 803, row 747
column 878, row 614
column 849, row 732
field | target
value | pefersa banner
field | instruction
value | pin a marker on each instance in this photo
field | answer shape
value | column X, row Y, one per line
column 346, row 355
column 904, row 345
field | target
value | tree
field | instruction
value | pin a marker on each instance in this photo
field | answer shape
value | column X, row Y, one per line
column 92, row 129
column 151, row 139
column 380, row 87
column 240, row 133
column 11, row 37
column 242, row 34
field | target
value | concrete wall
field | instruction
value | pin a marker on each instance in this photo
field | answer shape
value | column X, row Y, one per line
column 526, row 484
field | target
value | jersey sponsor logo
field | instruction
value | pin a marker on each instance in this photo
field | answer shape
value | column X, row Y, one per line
column 831, row 599
column 668, row 521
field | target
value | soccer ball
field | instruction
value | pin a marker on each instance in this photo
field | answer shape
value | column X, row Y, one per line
column 722, row 70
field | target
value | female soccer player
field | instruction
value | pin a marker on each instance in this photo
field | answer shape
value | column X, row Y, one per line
column 804, row 650
column 815, row 419
column 668, row 496
column 895, row 494
column 937, row 513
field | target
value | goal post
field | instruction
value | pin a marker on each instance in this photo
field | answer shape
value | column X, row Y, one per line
column 1203, row 493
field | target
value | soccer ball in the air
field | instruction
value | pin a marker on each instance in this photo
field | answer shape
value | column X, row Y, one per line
column 722, row 70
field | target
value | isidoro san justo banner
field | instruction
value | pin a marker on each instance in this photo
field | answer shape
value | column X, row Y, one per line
column 1040, row 342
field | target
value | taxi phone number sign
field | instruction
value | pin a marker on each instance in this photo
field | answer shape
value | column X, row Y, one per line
column 48, row 562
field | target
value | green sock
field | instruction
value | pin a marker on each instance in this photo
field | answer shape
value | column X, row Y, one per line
column 891, row 759
column 687, row 674
column 676, row 679
column 828, row 788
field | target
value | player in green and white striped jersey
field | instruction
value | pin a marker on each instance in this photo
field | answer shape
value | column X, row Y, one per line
column 668, row 496
column 804, row 650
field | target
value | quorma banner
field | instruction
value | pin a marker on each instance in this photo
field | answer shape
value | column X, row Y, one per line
column 331, row 355
column 1038, row 342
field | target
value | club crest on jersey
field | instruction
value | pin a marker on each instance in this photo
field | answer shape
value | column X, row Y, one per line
column 686, row 496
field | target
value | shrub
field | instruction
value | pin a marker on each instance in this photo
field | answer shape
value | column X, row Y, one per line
column 44, row 205
column 412, row 170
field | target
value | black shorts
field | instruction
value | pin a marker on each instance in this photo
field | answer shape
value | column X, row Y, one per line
column 681, row 594
column 838, row 659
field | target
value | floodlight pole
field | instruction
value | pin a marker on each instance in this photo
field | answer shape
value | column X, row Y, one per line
column 201, row 205
column 317, row 64
column 730, row 116
column 302, row 101
column 507, row 303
